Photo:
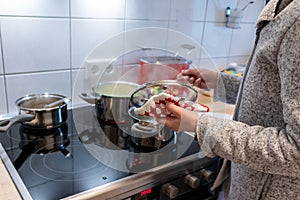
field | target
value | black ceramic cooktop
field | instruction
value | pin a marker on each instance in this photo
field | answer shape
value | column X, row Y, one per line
column 60, row 162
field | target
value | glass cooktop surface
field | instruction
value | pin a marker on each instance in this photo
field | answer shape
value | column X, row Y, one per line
column 60, row 162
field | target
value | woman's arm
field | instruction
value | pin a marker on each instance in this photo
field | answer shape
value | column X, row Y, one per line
column 267, row 149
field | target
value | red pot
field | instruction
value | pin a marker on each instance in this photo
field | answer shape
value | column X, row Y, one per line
column 161, row 68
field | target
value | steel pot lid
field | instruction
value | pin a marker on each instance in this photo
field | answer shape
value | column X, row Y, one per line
column 42, row 101
column 119, row 59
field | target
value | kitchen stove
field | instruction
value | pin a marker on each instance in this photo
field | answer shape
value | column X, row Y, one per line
column 86, row 159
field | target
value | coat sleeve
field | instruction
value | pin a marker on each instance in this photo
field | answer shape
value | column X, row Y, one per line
column 266, row 149
column 227, row 88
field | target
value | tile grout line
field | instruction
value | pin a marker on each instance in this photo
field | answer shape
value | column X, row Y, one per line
column 3, row 68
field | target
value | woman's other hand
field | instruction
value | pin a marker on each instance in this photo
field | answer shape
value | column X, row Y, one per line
column 202, row 78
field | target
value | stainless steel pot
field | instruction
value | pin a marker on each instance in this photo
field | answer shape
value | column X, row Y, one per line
column 151, row 136
column 40, row 111
column 146, row 158
column 147, row 132
column 111, row 100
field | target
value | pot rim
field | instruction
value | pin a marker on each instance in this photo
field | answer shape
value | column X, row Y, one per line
column 97, row 94
column 161, row 83
column 64, row 101
column 143, row 120
column 165, row 60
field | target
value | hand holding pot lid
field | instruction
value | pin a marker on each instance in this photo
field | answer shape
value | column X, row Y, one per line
column 155, row 107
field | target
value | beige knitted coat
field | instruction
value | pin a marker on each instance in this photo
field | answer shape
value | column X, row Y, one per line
column 263, row 143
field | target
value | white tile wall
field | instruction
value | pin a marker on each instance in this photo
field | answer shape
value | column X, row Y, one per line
column 252, row 11
column 87, row 34
column 242, row 40
column 35, row 44
column 214, row 63
column 98, row 8
column 188, row 9
column 1, row 63
column 2, row 97
column 216, row 39
column 148, row 9
column 241, row 60
column 46, row 41
column 192, row 29
column 134, row 24
column 216, row 9
column 55, row 8
column 21, row 84
column 78, row 89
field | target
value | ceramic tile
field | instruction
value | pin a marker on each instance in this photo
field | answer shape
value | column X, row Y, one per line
column 98, row 8
column 167, row 39
column 240, row 60
column 214, row 64
column 35, row 7
column 153, row 37
column 1, row 63
column 188, row 10
column 216, row 40
column 134, row 24
column 88, row 34
column 216, row 9
column 32, row 83
column 3, row 109
column 242, row 40
column 79, row 86
column 191, row 29
column 148, row 9
column 35, row 44
column 252, row 11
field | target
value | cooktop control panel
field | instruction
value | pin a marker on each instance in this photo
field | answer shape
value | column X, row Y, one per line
column 190, row 186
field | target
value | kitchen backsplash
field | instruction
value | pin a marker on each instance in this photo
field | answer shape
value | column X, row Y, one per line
column 44, row 42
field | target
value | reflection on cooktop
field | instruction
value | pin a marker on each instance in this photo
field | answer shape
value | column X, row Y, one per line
column 80, row 155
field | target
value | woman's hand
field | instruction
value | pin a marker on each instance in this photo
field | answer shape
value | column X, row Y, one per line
column 202, row 78
column 183, row 120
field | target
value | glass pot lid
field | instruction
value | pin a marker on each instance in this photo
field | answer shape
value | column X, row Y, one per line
column 145, row 56
column 138, row 56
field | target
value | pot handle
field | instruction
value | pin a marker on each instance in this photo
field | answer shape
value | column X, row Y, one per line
column 58, row 102
column 140, row 131
column 6, row 124
column 88, row 98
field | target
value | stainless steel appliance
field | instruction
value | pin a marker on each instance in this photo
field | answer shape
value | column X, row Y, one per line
column 60, row 165
column 40, row 111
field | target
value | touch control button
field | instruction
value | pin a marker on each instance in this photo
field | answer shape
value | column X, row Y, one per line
column 192, row 181
column 170, row 190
